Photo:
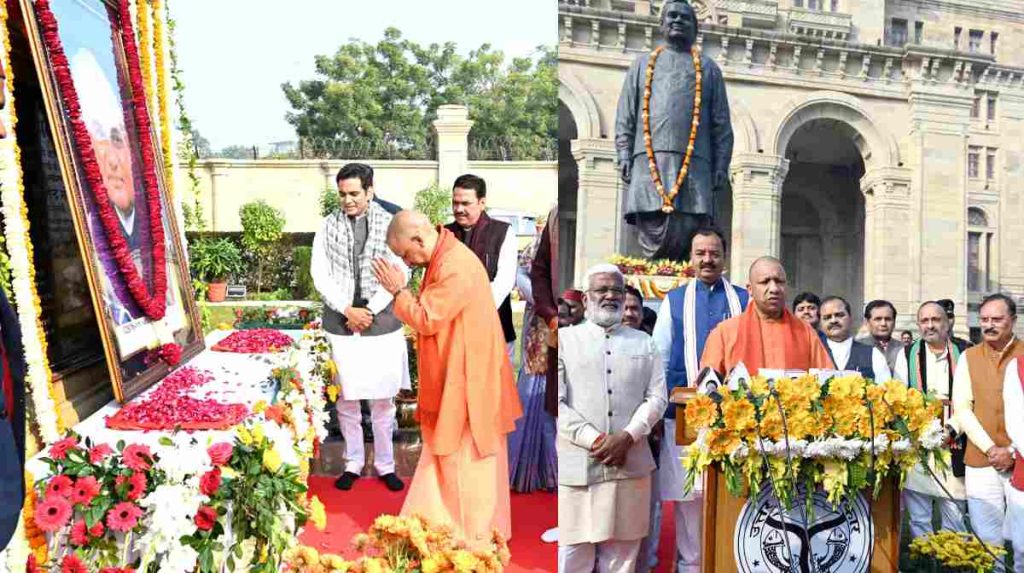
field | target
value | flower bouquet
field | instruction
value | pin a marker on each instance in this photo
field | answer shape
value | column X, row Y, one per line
column 289, row 318
column 653, row 278
column 256, row 341
column 953, row 551
column 408, row 545
column 847, row 434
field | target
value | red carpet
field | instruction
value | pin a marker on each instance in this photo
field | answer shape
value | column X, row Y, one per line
column 352, row 512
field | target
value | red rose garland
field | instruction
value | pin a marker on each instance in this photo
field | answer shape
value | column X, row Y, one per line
column 153, row 304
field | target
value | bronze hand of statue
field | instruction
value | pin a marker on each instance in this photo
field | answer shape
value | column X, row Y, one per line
column 626, row 170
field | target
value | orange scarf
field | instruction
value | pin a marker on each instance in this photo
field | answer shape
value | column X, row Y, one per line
column 429, row 360
column 749, row 346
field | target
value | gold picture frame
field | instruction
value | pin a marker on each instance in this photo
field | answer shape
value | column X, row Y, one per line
column 97, row 56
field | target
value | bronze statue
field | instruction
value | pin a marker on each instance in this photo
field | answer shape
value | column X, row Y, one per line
column 673, row 166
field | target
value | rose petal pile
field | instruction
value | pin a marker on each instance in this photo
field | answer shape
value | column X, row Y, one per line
column 170, row 406
column 255, row 341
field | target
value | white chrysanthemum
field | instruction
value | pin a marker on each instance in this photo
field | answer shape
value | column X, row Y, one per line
column 180, row 558
column 901, row 445
column 818, row 449
column 182, row 459
column 850, row 449
column 933, row 436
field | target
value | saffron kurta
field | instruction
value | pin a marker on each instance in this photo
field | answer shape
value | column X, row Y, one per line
column 462, row 476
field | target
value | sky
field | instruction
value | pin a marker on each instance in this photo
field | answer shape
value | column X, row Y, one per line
column 235, row 54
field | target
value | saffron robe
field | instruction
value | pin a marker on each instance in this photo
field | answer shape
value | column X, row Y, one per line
column 462, row 356
column 761, row 342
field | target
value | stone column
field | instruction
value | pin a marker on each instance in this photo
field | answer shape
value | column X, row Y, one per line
column 210, row 206
column 937, row 156
column 599, row 206
column 452, row 127
column 756, row 209
column 887, row 234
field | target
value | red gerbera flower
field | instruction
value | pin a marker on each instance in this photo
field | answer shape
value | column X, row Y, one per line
column 97, row 530
column 136, row 485
column 59, row 449
column 72, row 564
column 124, row 517
column 206, row 517
column 137, row 457
column 86, row 488
column 60, row 485
column 79, row 534
column 117, row 570
column 210, row 482
column 31, row 565
column 99, row 452
column 220, row 453
column 53, row 513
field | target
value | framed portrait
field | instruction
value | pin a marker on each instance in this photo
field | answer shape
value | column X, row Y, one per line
column 113, row 174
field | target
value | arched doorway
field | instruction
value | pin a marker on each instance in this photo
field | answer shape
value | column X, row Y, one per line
column 822, row 224
column 568, row 187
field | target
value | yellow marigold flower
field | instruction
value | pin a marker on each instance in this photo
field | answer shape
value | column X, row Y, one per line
column 257, row 434
column 375, row 565
column 895, row 393
column 790, row 395
column 271, row 460
column 701, row 411
column 739, row 415
column 464, row 561
column 317, row 513
column 244, row 436
column 332, row 392
column 433, row 563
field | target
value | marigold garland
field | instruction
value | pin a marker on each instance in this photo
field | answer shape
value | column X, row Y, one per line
column 163, row 97
column 667, row 199
column 23, row 274
column 153, row 304
column 142, row 15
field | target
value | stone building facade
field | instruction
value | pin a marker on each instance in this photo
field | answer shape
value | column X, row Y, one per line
column 878, row 142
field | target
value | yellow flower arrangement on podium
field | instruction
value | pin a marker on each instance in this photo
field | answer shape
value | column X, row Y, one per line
column 845, row 435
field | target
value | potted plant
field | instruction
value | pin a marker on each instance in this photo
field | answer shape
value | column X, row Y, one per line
column 213, row 261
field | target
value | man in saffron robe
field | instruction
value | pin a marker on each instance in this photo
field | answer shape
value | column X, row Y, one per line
column 767, row 334
column 468, row 400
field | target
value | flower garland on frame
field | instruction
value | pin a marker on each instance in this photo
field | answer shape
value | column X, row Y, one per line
column 142, row 15
column 668, row 198
column 163, row 97
column 152, row 303
column 23, row 279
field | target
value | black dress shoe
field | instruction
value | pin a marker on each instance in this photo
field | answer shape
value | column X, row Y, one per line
column 392, row 481
column 346, row 480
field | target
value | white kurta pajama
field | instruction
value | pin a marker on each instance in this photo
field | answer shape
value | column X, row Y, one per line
column 921, row 491
column 373, row 366
column 608, row 381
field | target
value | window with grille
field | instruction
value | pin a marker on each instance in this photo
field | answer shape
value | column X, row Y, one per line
column 972, row 162
column 979, row 247
column 990, row 164
column 991, row 112
column 919, row 33
column 898, row 33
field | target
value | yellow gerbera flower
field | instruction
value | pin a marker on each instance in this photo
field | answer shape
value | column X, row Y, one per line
column 739, row 415
column 271, row 460
column 701, row 411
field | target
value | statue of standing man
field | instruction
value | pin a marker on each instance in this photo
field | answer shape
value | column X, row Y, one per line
column 673, row 138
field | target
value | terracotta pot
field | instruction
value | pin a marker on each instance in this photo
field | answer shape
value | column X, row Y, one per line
column 217, row 292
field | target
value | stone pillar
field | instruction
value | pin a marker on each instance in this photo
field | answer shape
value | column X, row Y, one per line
column 210, row 206
column 599, row 205
column 452, row 127
column 887, row 234
column 756, row 209
column 937, row 156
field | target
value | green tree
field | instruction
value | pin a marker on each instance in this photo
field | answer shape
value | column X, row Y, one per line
column 234, row 152
column 262, row 226
column 380, row 99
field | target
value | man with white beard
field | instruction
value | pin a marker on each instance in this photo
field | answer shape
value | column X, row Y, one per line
column 611, row 392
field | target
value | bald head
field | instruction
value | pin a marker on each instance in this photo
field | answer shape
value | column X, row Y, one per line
column 767, row 285
column 933, row 324
column 412, row 237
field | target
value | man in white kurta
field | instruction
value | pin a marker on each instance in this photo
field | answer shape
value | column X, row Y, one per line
column 611, row 392
column 1013, row 400
column 367, row 340
column 932, row 361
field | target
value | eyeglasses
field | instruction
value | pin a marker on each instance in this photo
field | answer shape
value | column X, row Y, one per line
column 614, row 291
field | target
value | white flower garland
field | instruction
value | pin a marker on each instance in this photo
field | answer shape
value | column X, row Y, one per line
column 19, row 247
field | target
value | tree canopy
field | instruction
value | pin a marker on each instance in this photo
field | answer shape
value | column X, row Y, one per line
column 378, row 100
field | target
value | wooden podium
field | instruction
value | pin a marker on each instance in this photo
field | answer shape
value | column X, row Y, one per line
column 722, row 512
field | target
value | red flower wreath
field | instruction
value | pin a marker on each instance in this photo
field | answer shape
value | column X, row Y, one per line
column 153, row 304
